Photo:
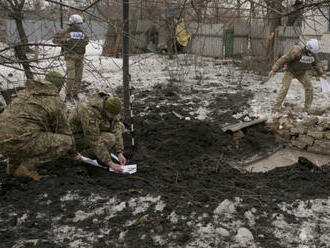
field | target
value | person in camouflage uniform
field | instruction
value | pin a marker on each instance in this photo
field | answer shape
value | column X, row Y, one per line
column 34, row 128
column 97, row 129
column 74, row 41
column 299, row 62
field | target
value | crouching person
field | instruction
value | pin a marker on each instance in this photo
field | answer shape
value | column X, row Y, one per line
column 34, row 128
column 98, row 130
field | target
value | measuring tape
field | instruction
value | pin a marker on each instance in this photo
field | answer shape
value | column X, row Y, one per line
column 131, row 99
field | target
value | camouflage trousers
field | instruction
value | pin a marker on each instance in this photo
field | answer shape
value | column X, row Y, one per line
column 37, row 149
column 107, row 139
column 74, row 70
column 305, row 79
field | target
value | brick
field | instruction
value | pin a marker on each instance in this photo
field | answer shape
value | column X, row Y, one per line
column 316, row 134
column 308, row 140
column 298, row 130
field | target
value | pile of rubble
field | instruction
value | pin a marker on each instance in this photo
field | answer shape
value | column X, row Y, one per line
column 311, row 134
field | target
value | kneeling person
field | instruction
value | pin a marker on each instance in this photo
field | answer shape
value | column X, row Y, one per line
column 34, row 128
column 98, row 130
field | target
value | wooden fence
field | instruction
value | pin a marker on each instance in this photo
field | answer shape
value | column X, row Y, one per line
column 285, row 38
column 241, row 40
column 207, row 39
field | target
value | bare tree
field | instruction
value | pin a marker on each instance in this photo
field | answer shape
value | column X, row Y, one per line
column 295, row 19
column 15, row 11
column 275, row 9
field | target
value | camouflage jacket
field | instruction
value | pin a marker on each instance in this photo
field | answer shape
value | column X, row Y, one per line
column 89, row 120
column 298, row 60
column 73, row 41
column 36, row 109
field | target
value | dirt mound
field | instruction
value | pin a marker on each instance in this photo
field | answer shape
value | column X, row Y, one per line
column 184, row 190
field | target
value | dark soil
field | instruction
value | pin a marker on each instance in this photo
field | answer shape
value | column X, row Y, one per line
column 186, row 162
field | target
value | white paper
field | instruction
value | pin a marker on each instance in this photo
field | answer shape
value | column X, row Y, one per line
column 115, row 157
column 127, row 169
column 325, row 85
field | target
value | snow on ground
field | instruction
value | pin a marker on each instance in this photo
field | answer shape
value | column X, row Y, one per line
column 225, row 226
column 191, row 72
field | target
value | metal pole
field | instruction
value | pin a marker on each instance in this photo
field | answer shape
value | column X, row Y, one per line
column 126, row 59
column 61, row 14
column 128, row 100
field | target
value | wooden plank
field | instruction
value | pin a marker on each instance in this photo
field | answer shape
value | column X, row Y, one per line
column 241, row 125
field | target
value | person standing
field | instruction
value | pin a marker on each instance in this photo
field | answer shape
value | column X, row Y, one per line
column 74, row 41
column 298, row 63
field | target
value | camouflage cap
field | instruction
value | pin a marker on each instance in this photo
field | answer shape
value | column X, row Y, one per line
column 112, row 105
column 56, row 79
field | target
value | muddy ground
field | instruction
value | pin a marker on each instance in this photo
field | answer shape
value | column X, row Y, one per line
column 185, row 193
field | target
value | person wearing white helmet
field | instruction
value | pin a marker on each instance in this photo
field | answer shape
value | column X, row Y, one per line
column 298, row 63
column 75, row 19
column 74, row 41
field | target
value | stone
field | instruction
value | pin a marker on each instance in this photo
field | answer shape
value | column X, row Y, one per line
column 312, row 121
column 222, row 232
column 284, row 122
column 225, row 207
column 2, row 103
column 323, row 144
column 308, row 140
column 244, row 236
column 324, row 123
column 327, row 135
column 285, row 134
column 316, row 134
column 298, row 130
column 298, row 144
column 318, row 149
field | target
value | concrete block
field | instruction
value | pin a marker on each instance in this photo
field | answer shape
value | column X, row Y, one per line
column 316, row 134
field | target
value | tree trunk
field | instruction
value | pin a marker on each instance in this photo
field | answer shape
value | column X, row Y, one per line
column 296, row 17
column 20, row 50
column 274, row 20
column 111, row 45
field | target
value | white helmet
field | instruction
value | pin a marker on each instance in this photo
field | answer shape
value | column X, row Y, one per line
column 313, row 45
column 75, row 19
